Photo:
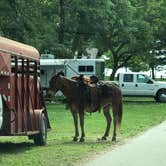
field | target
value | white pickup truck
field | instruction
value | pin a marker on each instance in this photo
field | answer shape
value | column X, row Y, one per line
column 137, row 84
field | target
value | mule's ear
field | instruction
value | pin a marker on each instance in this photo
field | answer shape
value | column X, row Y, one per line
column 61, row 73
column 53, row 73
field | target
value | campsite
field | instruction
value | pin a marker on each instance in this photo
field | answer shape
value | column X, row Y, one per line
column 81, row 79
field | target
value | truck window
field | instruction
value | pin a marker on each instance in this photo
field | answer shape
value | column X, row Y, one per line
column 141, row 78
column 128, row 78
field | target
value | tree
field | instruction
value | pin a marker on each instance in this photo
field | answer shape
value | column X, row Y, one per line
column 155, row 15
column 123, row 29
column 80, row 20
column 138, row 63
column 123, row 36
column 28, row 22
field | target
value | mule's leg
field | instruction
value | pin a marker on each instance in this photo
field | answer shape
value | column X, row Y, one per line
column 109, row 119
column 81, row 115
column 115, row 118
column 75, row 118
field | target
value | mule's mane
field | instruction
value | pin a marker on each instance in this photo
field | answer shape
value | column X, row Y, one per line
column 68, row 86
column 55, row 76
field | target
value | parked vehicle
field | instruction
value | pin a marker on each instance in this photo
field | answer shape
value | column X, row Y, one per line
column 88, row 67
column 138, row 84
column 22, row 108
column 71, row 67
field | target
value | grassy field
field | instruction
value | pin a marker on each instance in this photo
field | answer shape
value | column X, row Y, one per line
column 138, row 116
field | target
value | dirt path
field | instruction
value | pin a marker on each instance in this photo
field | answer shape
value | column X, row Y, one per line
column 148, row 149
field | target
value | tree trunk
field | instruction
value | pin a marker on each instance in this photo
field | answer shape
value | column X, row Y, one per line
column 112, row 76
column 76, row 44
column 62, row 22
column 153, row 75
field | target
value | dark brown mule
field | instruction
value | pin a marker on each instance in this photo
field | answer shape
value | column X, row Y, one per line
column 82, row 97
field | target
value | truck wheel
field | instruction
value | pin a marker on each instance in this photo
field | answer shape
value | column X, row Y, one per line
column 161, row 96
column 41, row 138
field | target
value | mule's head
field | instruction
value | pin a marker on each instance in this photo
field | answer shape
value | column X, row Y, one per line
column 55, row 84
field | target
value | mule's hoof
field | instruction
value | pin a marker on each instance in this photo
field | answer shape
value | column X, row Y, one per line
column 75, row 139
column 82, row 139
column 114, row 139
column 98, row 139
column 103, row 138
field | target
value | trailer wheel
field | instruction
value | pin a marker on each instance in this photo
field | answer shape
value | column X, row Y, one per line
column 161, row 96
column 41, row 138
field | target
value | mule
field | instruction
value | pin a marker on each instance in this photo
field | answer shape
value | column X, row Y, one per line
column 89, row 98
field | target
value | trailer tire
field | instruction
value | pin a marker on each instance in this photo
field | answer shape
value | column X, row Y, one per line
column 41, row 138
column 161, row 96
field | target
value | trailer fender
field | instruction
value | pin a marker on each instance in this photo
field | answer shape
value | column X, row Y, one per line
column 39, row 113
column 41, row 137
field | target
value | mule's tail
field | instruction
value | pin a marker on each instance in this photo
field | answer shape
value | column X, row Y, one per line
column 120, row 113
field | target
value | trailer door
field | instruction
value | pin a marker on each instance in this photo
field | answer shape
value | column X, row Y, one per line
column 100, row 70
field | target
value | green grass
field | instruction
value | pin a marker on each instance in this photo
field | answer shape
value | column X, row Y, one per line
column 139, row 115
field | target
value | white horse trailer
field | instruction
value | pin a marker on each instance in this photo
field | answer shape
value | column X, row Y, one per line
column 71, row 67
column 86, row 67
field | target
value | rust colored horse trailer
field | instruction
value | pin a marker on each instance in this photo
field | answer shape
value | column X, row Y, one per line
column 22, row 108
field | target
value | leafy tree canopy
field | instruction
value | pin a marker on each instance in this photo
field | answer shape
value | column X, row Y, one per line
column 125, row 30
